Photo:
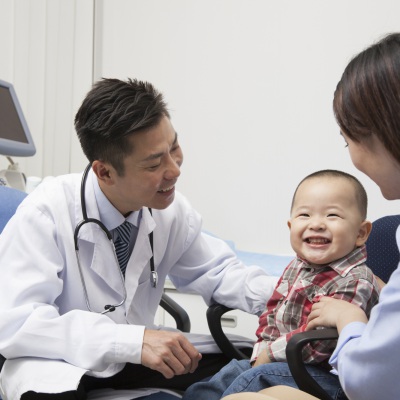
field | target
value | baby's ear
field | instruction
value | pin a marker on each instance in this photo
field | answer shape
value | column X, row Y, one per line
column 289, row 224
column 363, row 233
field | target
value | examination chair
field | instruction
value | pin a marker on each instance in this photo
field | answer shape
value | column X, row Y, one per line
column 10, row 199
column 383, row 259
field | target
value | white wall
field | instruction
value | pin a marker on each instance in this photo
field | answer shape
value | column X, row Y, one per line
column 249, row 84
column 47, row 54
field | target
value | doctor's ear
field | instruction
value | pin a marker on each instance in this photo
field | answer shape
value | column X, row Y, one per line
column 103, row 171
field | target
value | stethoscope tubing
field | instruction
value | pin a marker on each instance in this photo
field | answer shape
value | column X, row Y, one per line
column 108, row 307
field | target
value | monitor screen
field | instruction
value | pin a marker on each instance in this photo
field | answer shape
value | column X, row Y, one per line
column 15, row 137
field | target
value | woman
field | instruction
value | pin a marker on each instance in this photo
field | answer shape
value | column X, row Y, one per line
column 367, row 109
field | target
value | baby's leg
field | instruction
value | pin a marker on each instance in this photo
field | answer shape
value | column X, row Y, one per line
column 215, row 387
column 278, row 373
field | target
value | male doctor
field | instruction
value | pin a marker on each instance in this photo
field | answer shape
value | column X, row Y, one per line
column 57, row 340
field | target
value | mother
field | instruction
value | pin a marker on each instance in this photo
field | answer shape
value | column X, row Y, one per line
column 367, row 109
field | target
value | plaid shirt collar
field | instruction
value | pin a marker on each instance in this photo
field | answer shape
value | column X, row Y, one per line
column 345, row 264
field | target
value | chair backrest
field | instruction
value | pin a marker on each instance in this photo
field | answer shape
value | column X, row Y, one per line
column 382, row 250
column 10, row 199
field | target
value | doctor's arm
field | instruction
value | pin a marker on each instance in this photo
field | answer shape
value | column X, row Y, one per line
column 210, row 268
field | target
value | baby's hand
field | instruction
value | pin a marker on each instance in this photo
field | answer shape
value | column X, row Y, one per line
column 262, row 359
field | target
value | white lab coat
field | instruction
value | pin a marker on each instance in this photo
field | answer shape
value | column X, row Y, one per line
column 47, row 334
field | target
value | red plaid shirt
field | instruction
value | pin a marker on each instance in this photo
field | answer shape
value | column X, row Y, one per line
column 300, row 286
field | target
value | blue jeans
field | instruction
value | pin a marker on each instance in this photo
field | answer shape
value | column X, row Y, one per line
column 239, row 376
column 159, row 396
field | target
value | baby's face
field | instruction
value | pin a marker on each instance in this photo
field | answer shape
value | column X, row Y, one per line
column 325, row 222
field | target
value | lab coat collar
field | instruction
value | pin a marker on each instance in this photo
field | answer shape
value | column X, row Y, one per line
column 103, row 260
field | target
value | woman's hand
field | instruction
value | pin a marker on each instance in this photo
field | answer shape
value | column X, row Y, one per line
column 329, row 312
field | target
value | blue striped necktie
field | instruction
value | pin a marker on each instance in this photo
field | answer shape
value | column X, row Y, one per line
column 122, row 244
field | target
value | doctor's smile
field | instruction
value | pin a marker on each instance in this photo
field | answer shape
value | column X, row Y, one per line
column 167, row 189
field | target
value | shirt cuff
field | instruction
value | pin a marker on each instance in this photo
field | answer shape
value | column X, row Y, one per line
column 129, row 343
column 257, row 349
column 351, row 331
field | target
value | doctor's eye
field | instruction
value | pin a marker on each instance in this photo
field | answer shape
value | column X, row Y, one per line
column 153, row 167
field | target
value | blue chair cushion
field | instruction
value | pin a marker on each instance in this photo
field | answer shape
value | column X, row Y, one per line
column 10, row 199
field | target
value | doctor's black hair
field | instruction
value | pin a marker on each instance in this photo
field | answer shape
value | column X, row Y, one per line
column 111, row 112
column 359, row 191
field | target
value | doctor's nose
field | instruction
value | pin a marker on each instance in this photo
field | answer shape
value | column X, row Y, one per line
column 173, row 169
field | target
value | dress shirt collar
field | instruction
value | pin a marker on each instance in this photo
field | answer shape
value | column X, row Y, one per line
column 344, row 265
column 109, row 215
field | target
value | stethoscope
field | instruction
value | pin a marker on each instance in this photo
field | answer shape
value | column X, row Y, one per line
column 86, row 220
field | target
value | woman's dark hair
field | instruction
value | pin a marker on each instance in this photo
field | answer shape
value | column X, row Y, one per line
column 111, row 112
column 367, row 98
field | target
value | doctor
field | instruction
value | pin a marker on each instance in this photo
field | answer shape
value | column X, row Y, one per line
column 76, row 315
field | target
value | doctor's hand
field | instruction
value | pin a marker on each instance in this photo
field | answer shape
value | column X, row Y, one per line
column 170, row 353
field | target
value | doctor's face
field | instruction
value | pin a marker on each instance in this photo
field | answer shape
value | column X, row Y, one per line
column 151, row 171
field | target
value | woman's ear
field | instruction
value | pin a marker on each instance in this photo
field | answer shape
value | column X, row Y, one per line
column 363, row 233
column 103, row 172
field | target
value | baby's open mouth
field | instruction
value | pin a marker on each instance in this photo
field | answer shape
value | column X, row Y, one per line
column 317, row 241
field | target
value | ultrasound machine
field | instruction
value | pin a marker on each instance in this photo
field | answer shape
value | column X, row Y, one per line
column 15, row 137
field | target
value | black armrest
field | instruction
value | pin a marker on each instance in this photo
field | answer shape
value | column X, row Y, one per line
column 2, row 360
column 214, row 314
column 297, row 367
column 177, row 312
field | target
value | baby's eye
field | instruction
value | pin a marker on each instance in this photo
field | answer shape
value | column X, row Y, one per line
column 333, row 215
column 304, row 215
